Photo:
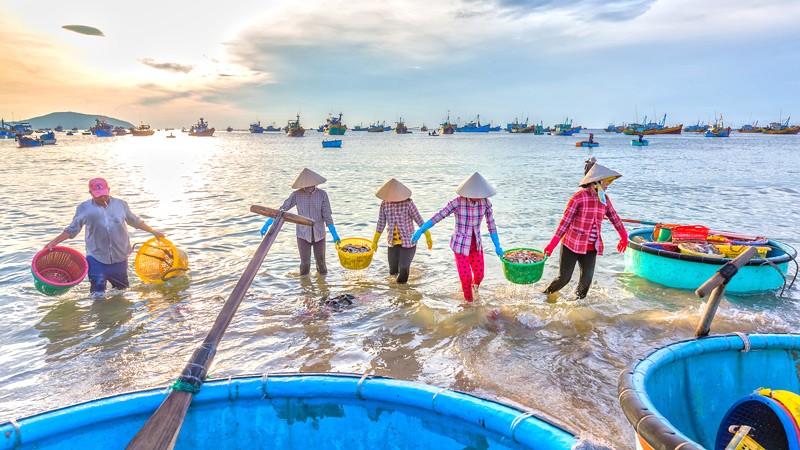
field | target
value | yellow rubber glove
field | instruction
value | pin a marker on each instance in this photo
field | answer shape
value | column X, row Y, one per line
column 428, row 239
column 375, row 240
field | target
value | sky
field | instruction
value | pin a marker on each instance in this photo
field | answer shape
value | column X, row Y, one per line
column 167, row 63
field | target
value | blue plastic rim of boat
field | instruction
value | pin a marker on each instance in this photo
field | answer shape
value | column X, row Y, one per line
column 678, row 395
column 298, row 411
column 684, row 271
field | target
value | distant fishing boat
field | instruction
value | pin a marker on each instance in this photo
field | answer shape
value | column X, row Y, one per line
column 719, row 129
column 27, row 141
column 611, row 128
column 473, row 127
column 101, row 128
column 516, row 125
column 781, row 128
column 171, row 136
column 201, row 129
column 653, row 128
column 423, row 128
column 750, row 128
column 563, row 129
column 272, row 128
column 334, row 126
column 48, row 138
column 446, row 127
column 696, row 128
column 256, row 127
column 294, row 129
column 537, row 129
column 360, row 127
column 142, row 130
column 377, row 128
column 229, row 129
column 401, row 128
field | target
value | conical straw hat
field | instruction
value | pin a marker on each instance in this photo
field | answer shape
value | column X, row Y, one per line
column 393, row 191
column 597, row 173
column 308, row 178
column 475, row 187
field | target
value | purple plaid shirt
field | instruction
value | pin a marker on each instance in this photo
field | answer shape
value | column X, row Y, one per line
column 316, row 207
column 400, row 215
column 469, row 214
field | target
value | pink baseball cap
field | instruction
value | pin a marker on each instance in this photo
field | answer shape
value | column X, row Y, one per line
column 98, row 187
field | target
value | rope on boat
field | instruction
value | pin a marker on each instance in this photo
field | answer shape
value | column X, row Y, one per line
column 433, row 399
column 264, row 379
column 366, row 375
column 516, row 422
column 185, row 386
column 745, row 340
column 17, row 433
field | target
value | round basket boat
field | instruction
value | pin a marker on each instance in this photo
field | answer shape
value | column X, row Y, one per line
column 355, row 261
column 159, row 260
column 523, row 273
column 298, row 411
column 56, row 271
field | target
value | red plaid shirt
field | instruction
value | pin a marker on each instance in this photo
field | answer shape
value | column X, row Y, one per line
column 469, row 215
column 584, row 211
column 400, row 215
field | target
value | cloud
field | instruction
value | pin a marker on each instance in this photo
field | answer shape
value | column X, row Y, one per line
column 169, row 67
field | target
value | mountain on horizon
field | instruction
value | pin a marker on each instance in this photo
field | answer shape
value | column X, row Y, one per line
column 71, row 120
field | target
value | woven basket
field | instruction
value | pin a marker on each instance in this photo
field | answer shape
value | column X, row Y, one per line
column 355, row 261
column 519, row 273
column 159, row 260
column 56, row 271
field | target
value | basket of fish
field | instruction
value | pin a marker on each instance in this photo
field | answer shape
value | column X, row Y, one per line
column 523, row 265
column 706, row 250
column 355, row 253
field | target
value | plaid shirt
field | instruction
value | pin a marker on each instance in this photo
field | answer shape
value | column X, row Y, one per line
column 469, row 214
column 400, row 215
column 315, row 206
column 585, row 211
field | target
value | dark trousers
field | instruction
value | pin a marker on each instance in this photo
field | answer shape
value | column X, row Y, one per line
column 400, row 261
column 100, row 274
column 305, row 256
column 567, row 265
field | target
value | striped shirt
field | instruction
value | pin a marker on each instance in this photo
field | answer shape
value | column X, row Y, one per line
column 400, row 217
column 469, row 214
column 107, row 237
column 583, row 216
column 314, row 205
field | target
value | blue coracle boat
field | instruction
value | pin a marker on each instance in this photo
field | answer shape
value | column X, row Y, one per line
column 298, row 411
column 332, row 143
column 686, row 394
column 638, row 143
column 683, row 271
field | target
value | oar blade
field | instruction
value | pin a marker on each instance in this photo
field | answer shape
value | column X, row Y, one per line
column 161, row 431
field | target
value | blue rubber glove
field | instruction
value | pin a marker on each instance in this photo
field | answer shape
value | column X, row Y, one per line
column 417, row 234
column 335, row 236
column 265, row 228
column 497, row 248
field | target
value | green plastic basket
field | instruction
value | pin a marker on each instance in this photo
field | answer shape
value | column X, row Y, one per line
column 519, row 273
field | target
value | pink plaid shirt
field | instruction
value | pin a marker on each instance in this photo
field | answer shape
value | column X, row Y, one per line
column 585, row 211
column 400, row 215
column 315, row 206
column 469, row 214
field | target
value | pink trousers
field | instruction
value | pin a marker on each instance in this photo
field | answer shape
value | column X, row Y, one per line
column 470, row 269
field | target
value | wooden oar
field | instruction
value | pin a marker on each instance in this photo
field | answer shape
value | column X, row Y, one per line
column 161, row 430
column 716, row 285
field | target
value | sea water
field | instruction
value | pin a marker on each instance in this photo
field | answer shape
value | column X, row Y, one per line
column 560, row 358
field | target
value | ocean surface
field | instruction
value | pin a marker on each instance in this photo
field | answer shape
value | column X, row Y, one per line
column 560, row 359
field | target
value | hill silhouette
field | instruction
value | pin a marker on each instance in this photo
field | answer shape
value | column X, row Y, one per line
column 72, row 119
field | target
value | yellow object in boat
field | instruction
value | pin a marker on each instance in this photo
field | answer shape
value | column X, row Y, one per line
column 788, row 399
column 700, row 249
column 732, row 251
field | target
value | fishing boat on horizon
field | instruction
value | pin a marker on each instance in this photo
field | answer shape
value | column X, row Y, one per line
column 334, row 126
column 377, row 127
column 650, row 128
column 101, row 128
column 719, row 129
column 446, row 127
column 256, row 127
column 473, row 127
column 696, row 128
column 516, row 125
column 400, row 127
column 294, row 129
column 564, row 128
column 781, row 128
column 142, row 130
column 201, row 129
column 27, row 141
column 750, row 128
column 48, row 138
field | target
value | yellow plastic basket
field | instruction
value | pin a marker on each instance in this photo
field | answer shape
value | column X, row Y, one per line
column 732, row 251
column 159, row 260
column 686, row 248
column 355, row 261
